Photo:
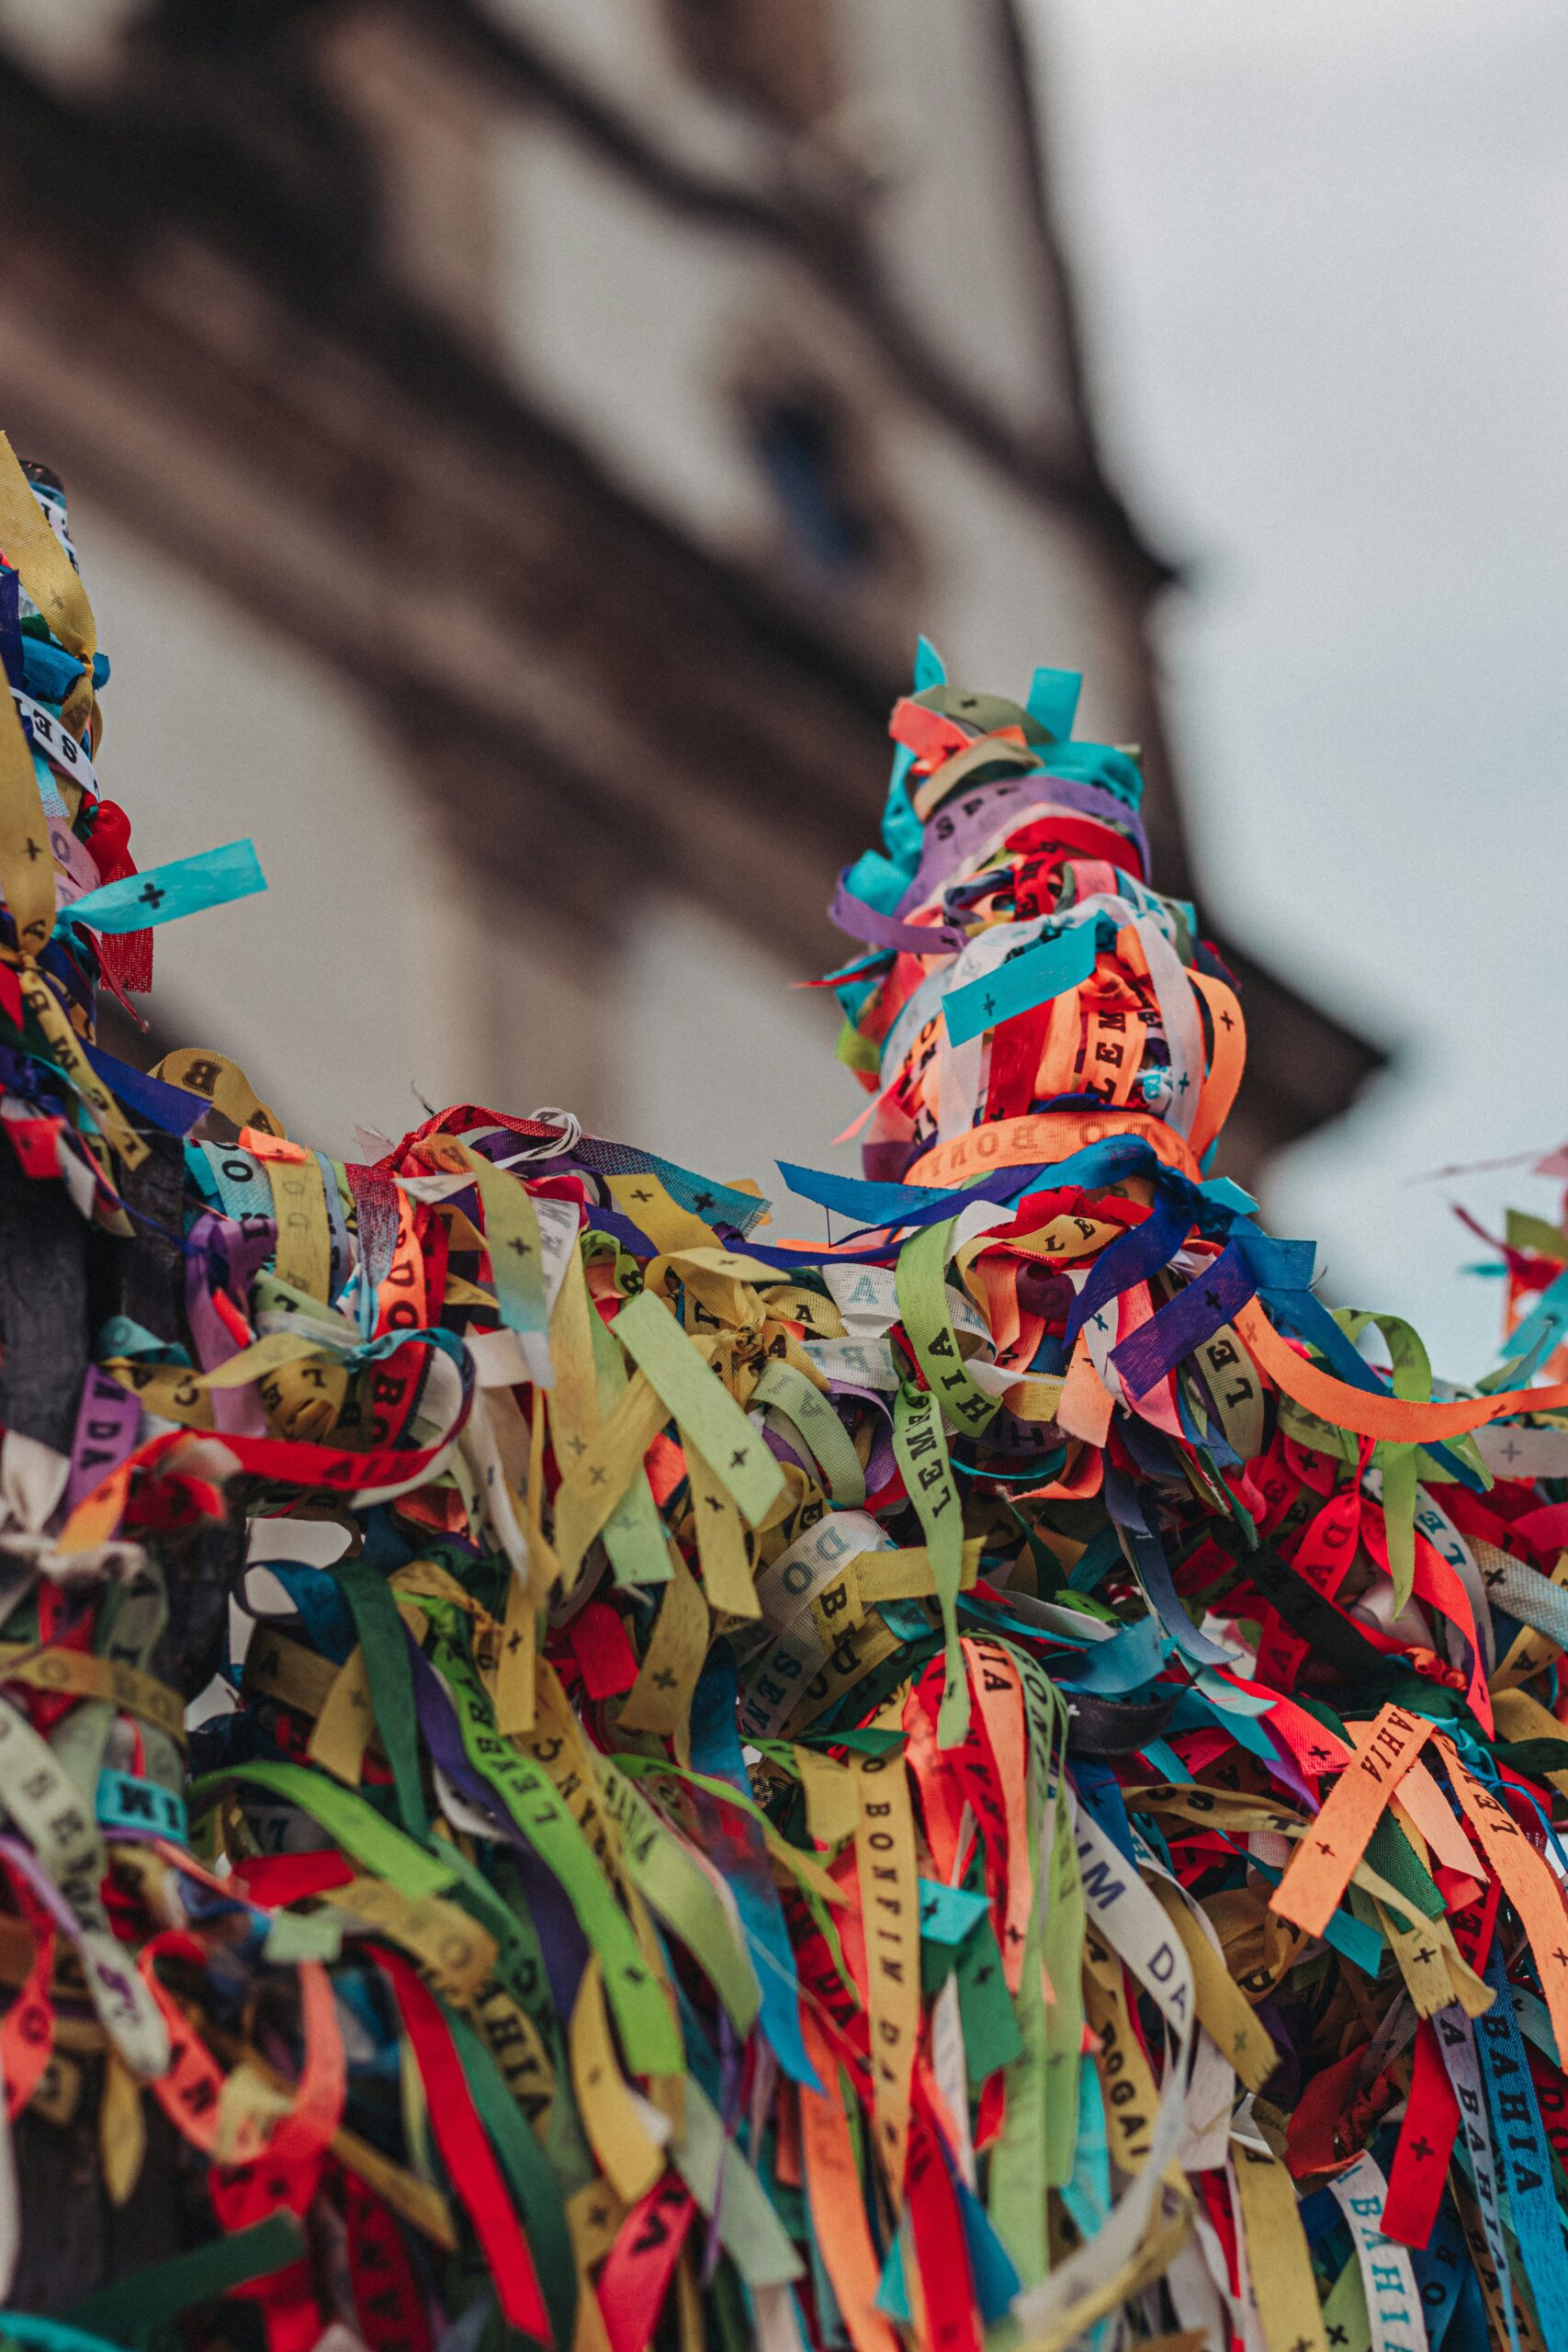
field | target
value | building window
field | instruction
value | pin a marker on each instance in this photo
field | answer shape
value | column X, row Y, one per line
column 835, row 528
column 802, row 445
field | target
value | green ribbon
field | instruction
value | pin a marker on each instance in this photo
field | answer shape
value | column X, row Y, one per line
column 1412, row 1372
column 633, row 1535
column 652, row 2043
column 137, row 2307
column 363, row 1834
column 672, row 1883
column 788, row 1391
column 922, row 1283
column 698, row 1401
column 528, row 2170
column 919, row 1448
column 391, row 1676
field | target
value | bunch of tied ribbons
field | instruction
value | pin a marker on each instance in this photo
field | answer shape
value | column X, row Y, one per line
column 993, row 1782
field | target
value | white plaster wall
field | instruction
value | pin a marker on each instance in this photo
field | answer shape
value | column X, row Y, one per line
column 952, row 225
column 619, row 47
column 620, row 324
column 630, row 324
column 720, row 1063
column 337, row 989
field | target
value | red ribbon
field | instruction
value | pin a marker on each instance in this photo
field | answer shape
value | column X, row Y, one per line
column 1420, row 2165
column 126, row 958
column 639, row 2266
column 466, row 2151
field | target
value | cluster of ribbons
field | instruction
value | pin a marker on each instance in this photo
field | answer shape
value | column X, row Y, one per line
column 992, row 1783
column 1021, row 969
column 80, row 916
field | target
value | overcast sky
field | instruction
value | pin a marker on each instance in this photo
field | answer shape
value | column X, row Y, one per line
column 1322, row 251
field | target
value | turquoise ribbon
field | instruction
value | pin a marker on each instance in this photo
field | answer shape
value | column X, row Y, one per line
column 1028, row 981
column 213, row 877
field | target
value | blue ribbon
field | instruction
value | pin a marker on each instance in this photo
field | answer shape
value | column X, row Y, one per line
column 1109, row 1670
column 1098, row 1787
column 1054, row 700
column 1153, row 1569
column 1141, row 1252
column 1441, row 2268
column 716, row 1749
column 1520, row 2139
column 875, row 1205
column 947, row 1913
column 41, row 2335
column 1209, row 1302
column 173, row 1108
column 1547, row 1319
column 213, row 877
column 1022, row 985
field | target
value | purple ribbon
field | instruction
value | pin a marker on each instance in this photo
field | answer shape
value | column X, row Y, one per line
column 885, row 1161
column 107, row 1421
column 960, row 827
column 782, row 1451
column 1142, row 1249
column 561, row 1940
column 25, row 1862
column 1194, row 1314
column 852, row 915
column 879, row 1465
column 222, row 1254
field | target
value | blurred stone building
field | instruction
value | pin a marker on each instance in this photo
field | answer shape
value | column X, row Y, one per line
column 513, row 445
